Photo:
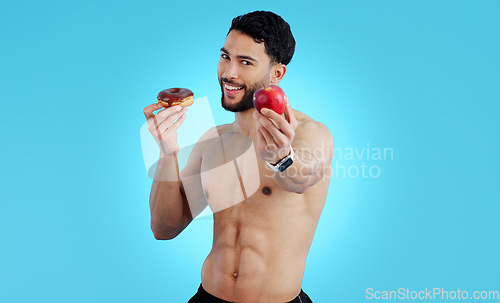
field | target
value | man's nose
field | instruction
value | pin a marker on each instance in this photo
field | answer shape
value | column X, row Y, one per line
column 231, row 71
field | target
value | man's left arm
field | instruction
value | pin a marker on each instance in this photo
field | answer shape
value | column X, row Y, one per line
column 312, row 145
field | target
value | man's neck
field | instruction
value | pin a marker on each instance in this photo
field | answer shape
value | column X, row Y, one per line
column 244, row 123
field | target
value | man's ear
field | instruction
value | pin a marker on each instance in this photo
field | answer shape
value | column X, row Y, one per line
column 278, row 71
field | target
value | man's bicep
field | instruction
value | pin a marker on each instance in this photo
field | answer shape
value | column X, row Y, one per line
column 314, row 138
column 191, row 185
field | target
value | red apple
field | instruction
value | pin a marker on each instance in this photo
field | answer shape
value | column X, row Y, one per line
column 271, row 97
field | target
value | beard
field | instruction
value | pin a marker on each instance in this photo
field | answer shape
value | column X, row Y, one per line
column 246, row 102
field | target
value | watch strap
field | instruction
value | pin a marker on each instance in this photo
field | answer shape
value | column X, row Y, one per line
column 283, row 163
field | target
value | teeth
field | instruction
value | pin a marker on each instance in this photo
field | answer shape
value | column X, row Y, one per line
column 229, row 87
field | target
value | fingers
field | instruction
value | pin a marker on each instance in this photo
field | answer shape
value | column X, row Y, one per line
column 168, row 121
column 178, row 123
column 261, row 141
column 283, row 133
column 278, row 138
column 158, row 124
column 273, row 136
column 161, row 115
column 271, row 146
column 270, row 142
column 282, row 124
column 148, row 110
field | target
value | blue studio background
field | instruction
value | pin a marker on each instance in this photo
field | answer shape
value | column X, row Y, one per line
column 417, row 78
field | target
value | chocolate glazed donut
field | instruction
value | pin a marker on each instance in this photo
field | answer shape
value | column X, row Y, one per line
column 176, row 96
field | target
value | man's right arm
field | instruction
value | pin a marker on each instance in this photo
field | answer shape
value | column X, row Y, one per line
column 170, row 212
column 175, row 197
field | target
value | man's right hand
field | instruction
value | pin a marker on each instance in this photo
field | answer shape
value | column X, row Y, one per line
column 163, row 126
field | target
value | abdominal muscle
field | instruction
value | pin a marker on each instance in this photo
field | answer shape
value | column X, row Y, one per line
column 261, row 237
column 259, row 255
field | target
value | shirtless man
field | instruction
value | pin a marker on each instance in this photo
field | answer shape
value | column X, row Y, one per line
column 264, row 220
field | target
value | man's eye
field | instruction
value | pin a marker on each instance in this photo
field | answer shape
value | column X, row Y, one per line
column 224, row 56
column 245, row 62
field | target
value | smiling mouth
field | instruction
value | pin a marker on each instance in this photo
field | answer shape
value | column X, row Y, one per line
column 231, row 90
column 232, row 87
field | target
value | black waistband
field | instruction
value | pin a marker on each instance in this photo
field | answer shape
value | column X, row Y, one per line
column 202, row 296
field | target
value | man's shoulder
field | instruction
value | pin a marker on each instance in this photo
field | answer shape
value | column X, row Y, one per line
column 308, row 126
column 301, row 117
column 311, row 133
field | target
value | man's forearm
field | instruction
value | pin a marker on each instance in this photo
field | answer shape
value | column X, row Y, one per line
column 304, row 172
column 166, row 201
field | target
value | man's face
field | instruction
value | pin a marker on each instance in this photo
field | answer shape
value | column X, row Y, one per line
column 244, row 67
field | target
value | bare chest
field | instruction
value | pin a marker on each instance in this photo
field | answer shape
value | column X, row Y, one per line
column 232, row 173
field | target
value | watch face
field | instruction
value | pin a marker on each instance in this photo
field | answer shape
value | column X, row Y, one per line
column 285, row 164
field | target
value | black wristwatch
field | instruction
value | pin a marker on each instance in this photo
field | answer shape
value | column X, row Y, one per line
column 283, row 163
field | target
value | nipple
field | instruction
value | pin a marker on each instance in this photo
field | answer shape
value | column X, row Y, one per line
column 266, row 190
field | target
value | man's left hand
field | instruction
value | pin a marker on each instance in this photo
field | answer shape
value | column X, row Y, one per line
column 274, row 140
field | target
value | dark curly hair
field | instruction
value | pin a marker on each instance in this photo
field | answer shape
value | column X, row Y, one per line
column 271, row 29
